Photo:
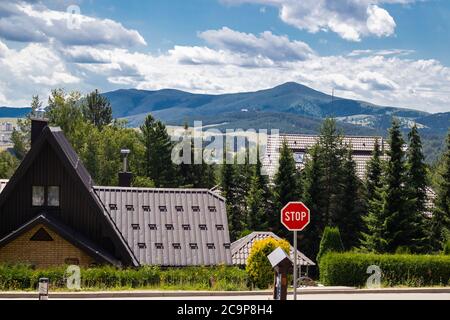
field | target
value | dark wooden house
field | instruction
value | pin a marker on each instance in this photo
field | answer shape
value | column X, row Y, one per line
column 51, row 213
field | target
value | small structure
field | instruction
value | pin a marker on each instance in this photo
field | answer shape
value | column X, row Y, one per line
column 240, row 250
column 282, row 265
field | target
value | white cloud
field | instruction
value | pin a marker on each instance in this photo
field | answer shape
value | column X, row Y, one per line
column 277, row 48
column 30, row 22
column 351, row 19
column 229, row 61
column 34, row 69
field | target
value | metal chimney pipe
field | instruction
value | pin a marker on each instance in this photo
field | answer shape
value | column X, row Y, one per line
column 125, row 177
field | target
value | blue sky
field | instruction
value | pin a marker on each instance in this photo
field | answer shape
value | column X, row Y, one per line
column 389, row 52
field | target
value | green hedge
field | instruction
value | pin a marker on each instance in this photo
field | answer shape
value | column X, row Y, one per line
column 350, row 269
column 23, row 277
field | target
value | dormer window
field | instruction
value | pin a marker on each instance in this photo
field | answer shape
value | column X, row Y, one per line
column 38, row 196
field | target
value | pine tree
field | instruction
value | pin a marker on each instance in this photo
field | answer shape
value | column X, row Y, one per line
column 349, row 216
column 259, row 199
column 231, row 190
column 97, row 109
column 312, row 196
column 440, row 222
column 416, row 187
column 287, row 187
column 373, row 235
column 398, row 222
column 158, row 154
column 374, row 238
column 332, row 154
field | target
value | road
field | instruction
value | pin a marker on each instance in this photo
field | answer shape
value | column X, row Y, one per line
column 317, row 296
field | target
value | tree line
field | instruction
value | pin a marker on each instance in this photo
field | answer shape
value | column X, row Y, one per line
column 383, row 213
column 89, row 126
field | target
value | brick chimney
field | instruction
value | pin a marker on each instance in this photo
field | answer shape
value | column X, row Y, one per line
column 125, row 177
column 37, row 126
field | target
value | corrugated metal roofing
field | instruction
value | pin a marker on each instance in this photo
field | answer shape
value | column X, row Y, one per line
column 241, row 248
column 170, row 227
column 362, row 150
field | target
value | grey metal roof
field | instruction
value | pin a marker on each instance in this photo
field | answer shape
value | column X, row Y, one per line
column 240, row 249
column 362, row 148
column 170, row 227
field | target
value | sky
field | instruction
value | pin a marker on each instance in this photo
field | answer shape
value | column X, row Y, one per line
column 387, row 52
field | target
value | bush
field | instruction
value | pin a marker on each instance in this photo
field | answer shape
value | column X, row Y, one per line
column 350, row 269
column 258, row 268
column 446, row 250
column 331, row 242
column 23, row 277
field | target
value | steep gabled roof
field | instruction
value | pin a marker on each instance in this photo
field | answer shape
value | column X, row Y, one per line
column 71, row 161
column 65, row 232
column 170, row 227
column 240, row 249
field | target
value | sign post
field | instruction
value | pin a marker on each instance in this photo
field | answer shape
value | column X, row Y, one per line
column 295, row 216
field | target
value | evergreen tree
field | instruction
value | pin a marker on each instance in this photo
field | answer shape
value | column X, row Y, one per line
column 398, row 220
column 312, row 196
column 331, row 242
column 259, row 203
column 97, row 109
column 440, row 222
column 158, row 154
column 231, row 190
column 349, row 217
column 8, row 165
column 416, row 187
column 332, row 154
column 286, row 188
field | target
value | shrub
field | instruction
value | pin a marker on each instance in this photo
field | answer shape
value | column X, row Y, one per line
column 23, row 277
column 331, row 242
column 446, row 250
column 258, row 268
column 350, row 269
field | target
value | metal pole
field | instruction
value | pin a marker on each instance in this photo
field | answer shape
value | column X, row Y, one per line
column 295, row 265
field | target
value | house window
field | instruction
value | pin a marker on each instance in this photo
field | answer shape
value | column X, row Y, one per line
column 38, row 196
column 53, row 196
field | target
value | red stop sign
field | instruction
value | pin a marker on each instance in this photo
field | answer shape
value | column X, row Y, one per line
column 295, row 216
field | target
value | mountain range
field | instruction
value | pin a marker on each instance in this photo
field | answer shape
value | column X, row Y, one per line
column 290, row 107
